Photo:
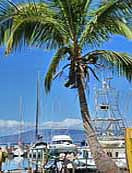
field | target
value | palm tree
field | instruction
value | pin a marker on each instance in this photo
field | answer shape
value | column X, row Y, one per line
column 69, row 26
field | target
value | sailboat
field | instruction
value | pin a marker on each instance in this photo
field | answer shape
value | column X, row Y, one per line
column 37, row 151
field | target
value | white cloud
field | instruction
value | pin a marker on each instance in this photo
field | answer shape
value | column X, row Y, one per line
column 12, row 123
column 8, row 127
column 68, row 123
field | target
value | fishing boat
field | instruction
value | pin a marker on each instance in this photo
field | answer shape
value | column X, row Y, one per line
column 109, row 126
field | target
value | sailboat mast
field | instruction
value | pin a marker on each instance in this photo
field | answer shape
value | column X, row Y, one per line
column 37, row 108
column 21, row 120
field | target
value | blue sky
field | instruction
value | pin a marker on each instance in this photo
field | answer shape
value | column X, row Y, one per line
column 18, row 77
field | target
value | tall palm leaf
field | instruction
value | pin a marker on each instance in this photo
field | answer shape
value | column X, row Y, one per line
column 108, row 19
column 68, row 26
column 53, row 66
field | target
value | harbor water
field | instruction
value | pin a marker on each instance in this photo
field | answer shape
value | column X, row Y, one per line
column 22, row 165
column 17, row 164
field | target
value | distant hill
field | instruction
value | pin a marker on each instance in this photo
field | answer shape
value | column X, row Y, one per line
column 29, row 136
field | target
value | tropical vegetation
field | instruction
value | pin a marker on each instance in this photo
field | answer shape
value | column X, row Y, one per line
column 69, row 27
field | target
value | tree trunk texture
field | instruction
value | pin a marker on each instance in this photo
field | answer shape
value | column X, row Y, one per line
column 103, row 163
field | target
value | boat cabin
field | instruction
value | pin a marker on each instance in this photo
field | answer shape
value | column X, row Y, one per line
column 61, row 139
column 38, row 153
column 62, row 144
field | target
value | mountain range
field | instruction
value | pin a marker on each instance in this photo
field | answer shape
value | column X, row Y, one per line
column 46, row 135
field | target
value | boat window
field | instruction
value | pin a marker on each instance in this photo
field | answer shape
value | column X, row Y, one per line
column 116, row 154
column 39, row 155
column 56, row 142
column 80, row 153
column 85, row 154
column 30, row 155
column 62, row 142
column 34, row 155
column 104, row 107
column 109, row 154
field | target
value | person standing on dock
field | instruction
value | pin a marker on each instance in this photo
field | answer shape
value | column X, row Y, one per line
column 0, row 159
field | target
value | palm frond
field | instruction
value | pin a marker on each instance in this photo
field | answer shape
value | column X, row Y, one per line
column 61, row 72
column 65, row 12
column 107, row 20
column 5, row 19
column 94, row 73
column 53, row 66
column 82, row 15
column 73, row 12
column 34, row 24
column 123, row 29
column 121, row 61
column 36, row 32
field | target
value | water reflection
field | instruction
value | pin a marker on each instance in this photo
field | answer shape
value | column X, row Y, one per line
column 17, row 163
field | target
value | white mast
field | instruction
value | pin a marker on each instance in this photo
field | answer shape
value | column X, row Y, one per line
column 21, row 121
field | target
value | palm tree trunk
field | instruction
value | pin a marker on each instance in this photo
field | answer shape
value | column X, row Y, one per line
column 103, row 163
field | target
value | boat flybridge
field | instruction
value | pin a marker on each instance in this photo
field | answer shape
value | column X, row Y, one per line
column 62, row 144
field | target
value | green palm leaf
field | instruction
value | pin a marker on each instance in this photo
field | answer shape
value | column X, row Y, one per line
column 107, row 20
column 40, row 31
column 66, row 14
column 123, row 29
column 73, row 13
column 121, row 61
column 53, row 66
column 68, row 25
column 34, row 24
